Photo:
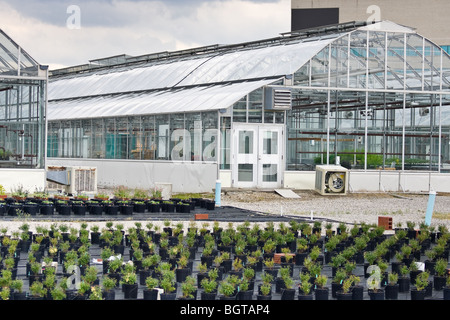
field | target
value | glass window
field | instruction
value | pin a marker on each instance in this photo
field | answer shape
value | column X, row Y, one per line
column 270, row 172
column 179, row 144
column 225, row 133
column 136, row 139
column 246, row 142
column 194, row 125
column 270, row 142
column 123, row 138
column 211, row 126
column 149, row 141
column 98, row 139
column 255, row 106
column 240, row 110
column 162, row 137
column 111, row 138
column 245, row 172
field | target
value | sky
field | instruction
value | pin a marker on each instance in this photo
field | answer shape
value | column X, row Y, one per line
column 62, row 33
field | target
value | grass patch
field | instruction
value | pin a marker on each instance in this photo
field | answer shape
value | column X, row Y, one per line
column 186, row 196
column 441, row 216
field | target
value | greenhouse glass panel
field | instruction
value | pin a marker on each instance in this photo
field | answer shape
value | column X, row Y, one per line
column 149, row 138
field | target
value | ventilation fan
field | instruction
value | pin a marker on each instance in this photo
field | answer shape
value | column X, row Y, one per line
column 331, row 180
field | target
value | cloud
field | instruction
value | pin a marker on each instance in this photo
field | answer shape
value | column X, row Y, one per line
column 136, row 27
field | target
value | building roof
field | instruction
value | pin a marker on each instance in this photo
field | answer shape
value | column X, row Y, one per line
column 207, row 78
column 14, row 61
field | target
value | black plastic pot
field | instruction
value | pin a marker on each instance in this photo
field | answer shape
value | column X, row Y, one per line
column 47, row 209
column 418, row 294
column 245, row 295
column 404, row 284
column 305, row 297
column 111, row 210
column 344, row 296
column 130, row 291
column 391, row 292
column 208, row 295
column 439, row 282
column 150, row 294
column 321, row 293
column 139, row 208
column 109, row 295
column 126, row 210
column 376, row 295
column 357, row 293
column 182, row 274
column 95, row 209
column 287, row 294
column 168, row 296
column 79, row 210
column 64, row 210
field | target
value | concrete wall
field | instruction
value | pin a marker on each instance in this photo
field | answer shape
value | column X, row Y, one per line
column 412, row 13
column 377, row 181
column 30, row 180
column 184, row 177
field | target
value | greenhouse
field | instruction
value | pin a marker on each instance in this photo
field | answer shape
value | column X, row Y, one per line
column 261, row 114
column 23, row 86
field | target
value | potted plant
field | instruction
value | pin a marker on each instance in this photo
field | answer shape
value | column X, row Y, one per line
column 182, row 271
column 122, row 193
column 108, row 285
column 345, row 293
column 47, row 208
column 37, row 291
column 227, row 289
column 128, row 281
column 446, row 290
column 17, row 287
column 374, row 288
column 392, row 289
column 286, row 284
column 209, row 286
column 440, row 277
column 188, row 289
column 58, row 293
column 404, row 279
column 264, row 292
column 168, row 285
column 418, row 292
column 321, row 291
column 78, row 208
column 337, row 282
column 151, row 292
column 305, row 287
column 3, row 194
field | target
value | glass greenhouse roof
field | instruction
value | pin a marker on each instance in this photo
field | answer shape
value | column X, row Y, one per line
column 194, row 99
column 14, row 61
column 383, row 56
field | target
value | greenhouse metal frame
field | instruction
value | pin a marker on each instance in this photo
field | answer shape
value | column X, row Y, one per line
column 376, row 95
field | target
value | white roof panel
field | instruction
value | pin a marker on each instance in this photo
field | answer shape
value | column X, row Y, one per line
column 167, row 101
column 240, row 65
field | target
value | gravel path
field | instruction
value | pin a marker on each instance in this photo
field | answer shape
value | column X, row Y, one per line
column 352, row 208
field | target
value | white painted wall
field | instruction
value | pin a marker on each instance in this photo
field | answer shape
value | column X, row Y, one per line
column 377, row 181
column 184, row 177
column 30, row 180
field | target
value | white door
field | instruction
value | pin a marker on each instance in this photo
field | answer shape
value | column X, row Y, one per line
column 257, row 156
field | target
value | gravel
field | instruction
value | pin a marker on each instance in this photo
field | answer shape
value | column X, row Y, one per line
column 350, row 208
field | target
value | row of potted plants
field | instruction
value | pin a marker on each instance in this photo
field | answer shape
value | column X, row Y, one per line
column 33, row 207
column 230, row 259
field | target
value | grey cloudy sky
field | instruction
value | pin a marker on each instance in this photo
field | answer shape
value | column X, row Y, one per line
column 135, row 27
